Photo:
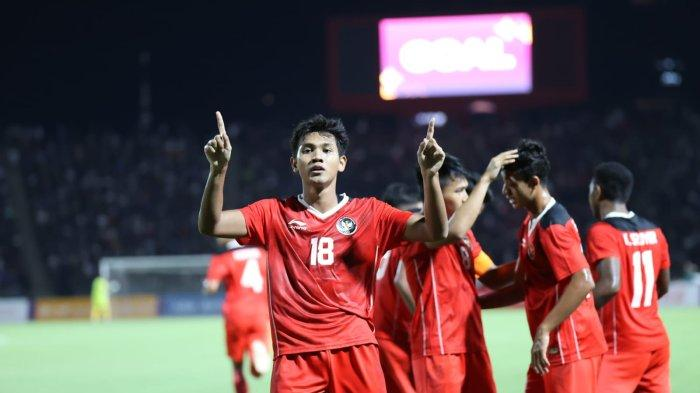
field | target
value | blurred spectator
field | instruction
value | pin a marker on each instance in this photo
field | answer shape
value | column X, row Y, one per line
column 109, row 192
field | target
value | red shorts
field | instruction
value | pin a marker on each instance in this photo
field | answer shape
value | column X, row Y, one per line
column 242, row 332
column 635, row 372
column 575, row 377
column 461, row 372
column 349, row 369
column 396, row 364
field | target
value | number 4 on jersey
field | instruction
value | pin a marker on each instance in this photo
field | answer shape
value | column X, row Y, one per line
column 251, row 277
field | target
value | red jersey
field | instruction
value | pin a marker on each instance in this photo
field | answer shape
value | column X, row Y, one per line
column 392, row 319
column 631, row 319
column 244, row 273
column 550, row 252
column 321, row 268
column 447, row 319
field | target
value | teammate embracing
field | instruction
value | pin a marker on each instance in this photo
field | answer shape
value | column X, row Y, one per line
column 630, row 259
column 322, row 250
column 553, row 277
column 448, row 348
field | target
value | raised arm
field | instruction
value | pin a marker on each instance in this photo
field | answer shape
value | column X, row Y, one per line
column 608, row 283
column 464, row 217
column 212, row 220
column 433, row 226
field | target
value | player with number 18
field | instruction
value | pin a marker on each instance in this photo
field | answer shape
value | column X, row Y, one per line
column 323, row 249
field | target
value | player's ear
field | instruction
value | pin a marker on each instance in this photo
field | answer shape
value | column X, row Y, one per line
column 534, row 181
column 597, row 192
column 293, row 164
column 342, row 162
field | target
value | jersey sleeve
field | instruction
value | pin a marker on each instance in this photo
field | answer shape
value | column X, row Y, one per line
column 256, row 220
column 391, row 225
column 562, row 246
column 217, row 267
column 601, row 243
column 665, row 256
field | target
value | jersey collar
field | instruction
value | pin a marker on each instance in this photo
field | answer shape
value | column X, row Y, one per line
column 343, row 201
column 627, row 215
column 533, row 223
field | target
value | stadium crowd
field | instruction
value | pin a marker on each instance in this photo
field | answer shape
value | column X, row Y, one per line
column 106, row 192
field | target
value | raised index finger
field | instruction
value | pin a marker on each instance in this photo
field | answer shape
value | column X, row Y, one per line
column 220, row 123
column 431, row 128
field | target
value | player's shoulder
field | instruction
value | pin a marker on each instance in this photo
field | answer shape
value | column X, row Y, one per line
column 364, row 202
column 556, row 215
column 601, row 228
column 630, row 223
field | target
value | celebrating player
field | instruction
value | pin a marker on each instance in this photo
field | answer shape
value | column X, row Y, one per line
column 630, row 259
column 553, row 276
column 323, row 249
column 447, row 339
column 245, row 310
column 392, row 318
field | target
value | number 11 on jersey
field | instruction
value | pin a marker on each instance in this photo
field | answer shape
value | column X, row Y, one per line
column 321, row 251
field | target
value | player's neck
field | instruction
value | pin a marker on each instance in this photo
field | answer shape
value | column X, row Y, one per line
column 321, row 198
column 607, row 207
column 539, row 202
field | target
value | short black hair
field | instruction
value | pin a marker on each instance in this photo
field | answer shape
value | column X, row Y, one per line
column 532, row 161
column 472, row 179
column 451, row 169
column 397, row 194
column 320, row 123
column 615, row 181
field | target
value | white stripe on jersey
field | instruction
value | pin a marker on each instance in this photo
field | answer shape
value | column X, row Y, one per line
column 437, row 307
column 272, row 315
column 561, row 350
column 422, row 308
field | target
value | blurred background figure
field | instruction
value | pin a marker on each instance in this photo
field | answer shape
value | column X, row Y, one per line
column 100, row 308
column 243, row 271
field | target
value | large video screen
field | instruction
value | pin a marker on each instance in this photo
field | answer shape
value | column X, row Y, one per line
column 452, row 56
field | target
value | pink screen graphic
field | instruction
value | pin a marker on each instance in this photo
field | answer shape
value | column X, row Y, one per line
column 447, row 56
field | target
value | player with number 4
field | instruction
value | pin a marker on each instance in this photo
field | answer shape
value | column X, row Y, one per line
column 322, row 250
column 246, row 320
column 630, row 259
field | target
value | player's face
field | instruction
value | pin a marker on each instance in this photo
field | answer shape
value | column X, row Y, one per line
column 455, row 194
column 317, row 159
column 518, row 192
column 593, row 198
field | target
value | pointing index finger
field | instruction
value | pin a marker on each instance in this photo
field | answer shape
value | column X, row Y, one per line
column 220, row 123
column 431, row 128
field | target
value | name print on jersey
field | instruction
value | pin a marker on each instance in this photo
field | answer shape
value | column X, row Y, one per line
column 635, row 239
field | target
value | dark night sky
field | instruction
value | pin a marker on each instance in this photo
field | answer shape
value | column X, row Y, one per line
column 64, row 62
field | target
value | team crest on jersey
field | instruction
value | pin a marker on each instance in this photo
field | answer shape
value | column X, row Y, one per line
column 346, row 226
column 297, row 225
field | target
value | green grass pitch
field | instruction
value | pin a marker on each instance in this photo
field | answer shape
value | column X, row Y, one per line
column 187, row 355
